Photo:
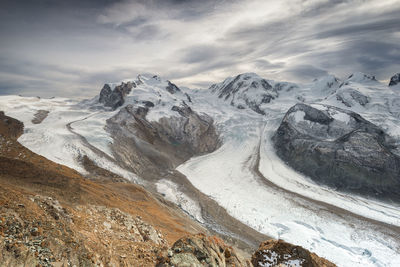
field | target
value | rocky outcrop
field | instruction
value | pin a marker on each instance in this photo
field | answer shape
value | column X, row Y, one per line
column 190, row 129
column 10, row 127
column 172, row 88
column 115, row 98
column 200, row 250
column 395, row 80
column 39, row 116
column 349, row 97
column 151, row 147
column 340, row 149
column 280, row 253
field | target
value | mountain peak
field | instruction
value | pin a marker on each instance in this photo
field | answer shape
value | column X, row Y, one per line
column 245, row 90
column 325, row 83
column 148, row 77
column 360, row 77
column 395, row 80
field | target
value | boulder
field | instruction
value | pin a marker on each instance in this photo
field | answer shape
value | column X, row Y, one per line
column 200, row 250
column 280, row 253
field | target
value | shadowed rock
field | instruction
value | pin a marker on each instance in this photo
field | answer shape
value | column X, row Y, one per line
column 150, row 146
column 395, row 80
column 115, row 98
column 172, row 88
column 39, row 116
column 340, row 149
column 350, row 96
column 10, row 127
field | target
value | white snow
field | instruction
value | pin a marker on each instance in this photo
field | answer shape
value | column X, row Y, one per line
column 299, row 116
column 340, row 116
column 171, row 193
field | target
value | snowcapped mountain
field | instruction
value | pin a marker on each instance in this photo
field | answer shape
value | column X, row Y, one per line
column 395, row 80
column 245, row 90
column 248, row 90
column 247, row 158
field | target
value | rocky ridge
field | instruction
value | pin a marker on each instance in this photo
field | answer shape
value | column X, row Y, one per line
column 395, row 80
column 339, row 148
column 114, row 98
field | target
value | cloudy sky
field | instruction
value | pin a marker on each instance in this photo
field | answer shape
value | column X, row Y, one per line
column 71, row 48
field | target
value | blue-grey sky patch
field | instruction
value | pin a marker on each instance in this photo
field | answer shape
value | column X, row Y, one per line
column 70, row 48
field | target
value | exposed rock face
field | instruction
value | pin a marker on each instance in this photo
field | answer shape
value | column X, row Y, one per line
column 194, row 130
column 172, row 88
column 341, row 149
column 280, row 253
column 350, row 96
column 200, row 250
column 115, row 98
column 10, row 127
column 105, row 93
column 40, row 116
column 395, row 80
column 158, row 146
column 246, row 90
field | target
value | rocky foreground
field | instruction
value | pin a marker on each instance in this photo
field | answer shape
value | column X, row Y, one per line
column 50, row 215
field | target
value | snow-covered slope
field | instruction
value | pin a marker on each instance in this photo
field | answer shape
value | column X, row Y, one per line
column 244, row 176
column 246, row 90
column 373, row 100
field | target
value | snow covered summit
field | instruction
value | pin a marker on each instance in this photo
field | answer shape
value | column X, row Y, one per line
column 246, row 90
column 148, row 90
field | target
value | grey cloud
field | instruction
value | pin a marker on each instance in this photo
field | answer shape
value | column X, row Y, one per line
column 200, row 53
column 389, row 25
column 157, row 9
column 305, row 73
column 29, row 78
column 265, row 64
column 147, row 32
column 374, row 57
column 317, row 8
